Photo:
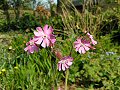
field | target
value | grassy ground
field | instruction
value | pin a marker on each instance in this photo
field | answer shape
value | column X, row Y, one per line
column 5, row 45
column 25, row 75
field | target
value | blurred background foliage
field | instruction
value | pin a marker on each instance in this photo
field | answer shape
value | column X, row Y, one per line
column 97, row 69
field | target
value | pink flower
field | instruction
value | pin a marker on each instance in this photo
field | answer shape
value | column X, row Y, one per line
column 65, row 63
column 45, row 36
column 92, row 40
column 81, row 45
column 31, row 46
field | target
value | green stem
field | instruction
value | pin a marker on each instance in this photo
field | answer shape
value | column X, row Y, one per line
column 66, row 78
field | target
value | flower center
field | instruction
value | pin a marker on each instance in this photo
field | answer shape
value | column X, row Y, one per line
column 81, row 44
column 63, row 61
column 45, row 36
column 31, row 43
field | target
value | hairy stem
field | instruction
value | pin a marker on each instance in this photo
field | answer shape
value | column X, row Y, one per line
column 66, row 78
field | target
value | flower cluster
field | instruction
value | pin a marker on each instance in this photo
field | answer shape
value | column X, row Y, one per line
column 81, row 45
column 45, row 38
column 65, row 63
column 84, row 44
column 31, row 46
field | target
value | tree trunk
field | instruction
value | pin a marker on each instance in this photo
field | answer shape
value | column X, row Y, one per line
column 17, row 14
column 7, row 16
column 17, row 9
column 5, row 8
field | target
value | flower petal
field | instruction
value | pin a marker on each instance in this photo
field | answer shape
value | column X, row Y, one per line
column 52, row 39
column 39, row 32
column 66, row 65
column 63, row 67
column 45, row 43
column 59, row 66
column 77, row 45
column 86, row 48
column 35, row 48
column 31, row 50
column 39, row 40
column 69, row 63
column 45, row 28
column 83, row 50
column 48, row 31
column 26, row 49
column 94, row 42
column 39, row 29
